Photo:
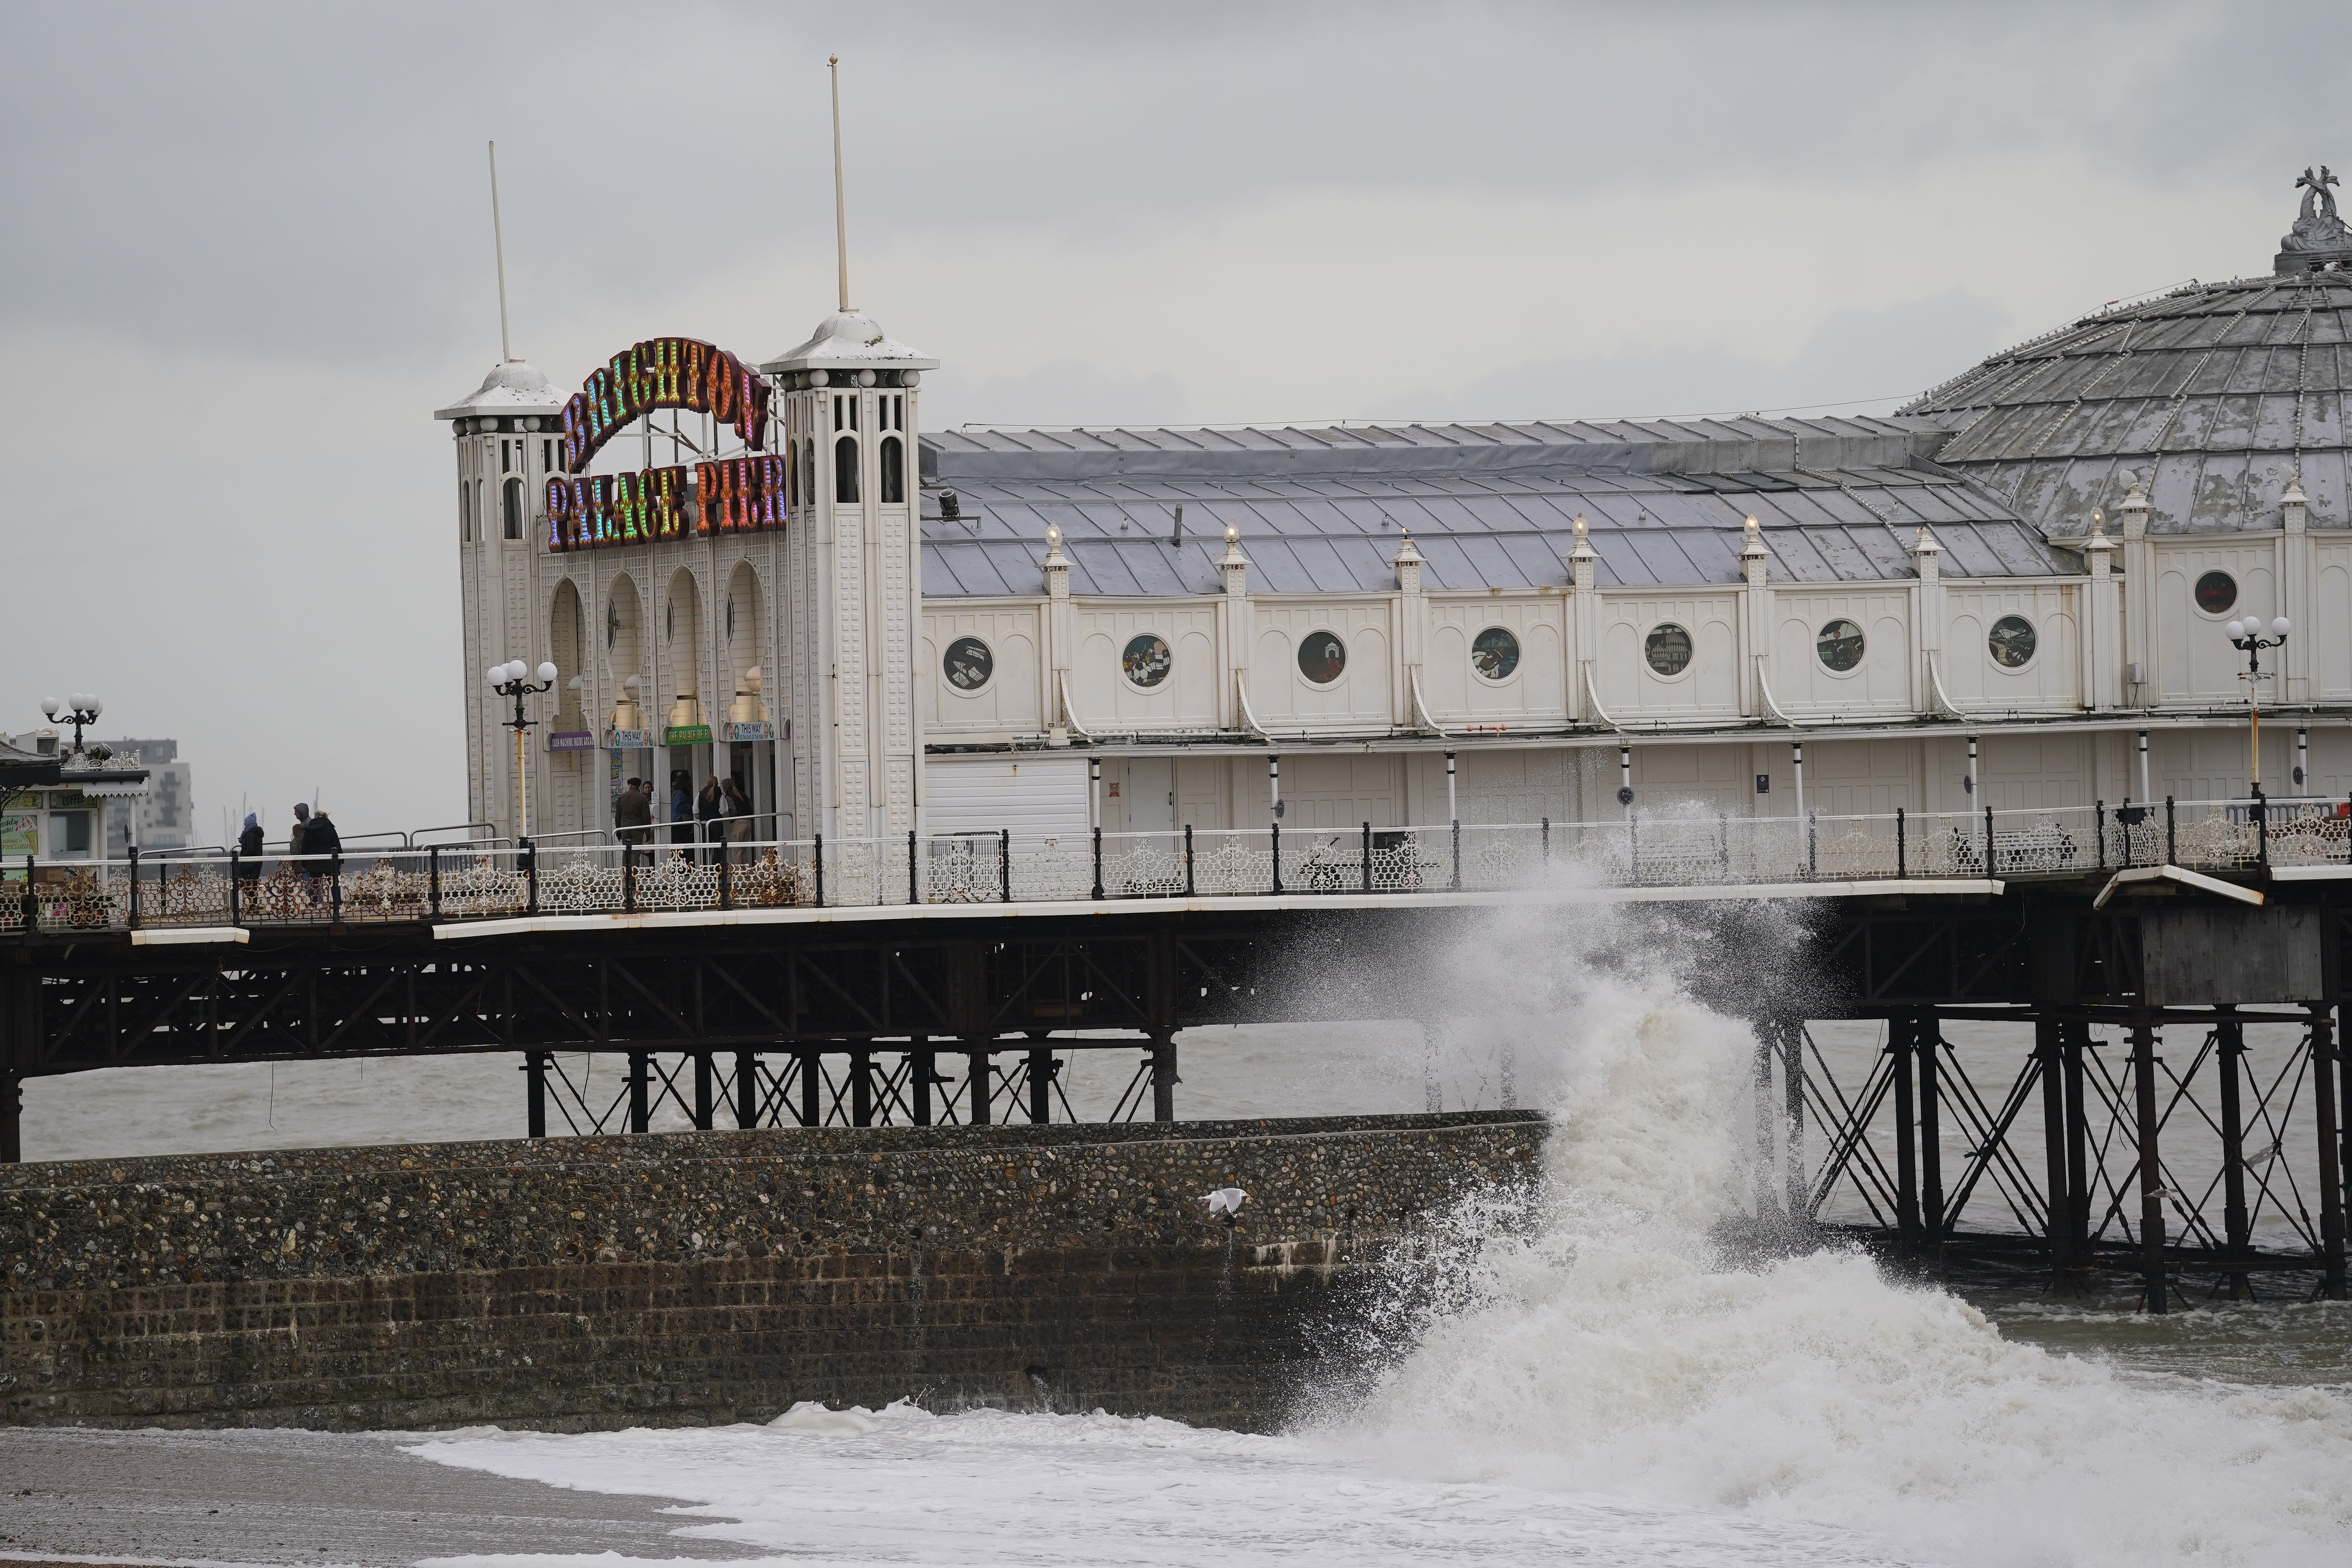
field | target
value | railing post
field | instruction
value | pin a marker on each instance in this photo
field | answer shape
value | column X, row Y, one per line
column 2262, row 829
column 432, row 879
column 1633, row 847
column 726, row 879
column 1098, row 887
column 134, row 887
column 1368, row 856
column 2099, row 826
column 1722, row 845
column 1456, row 884
column 235, row 858
column 1004, row 863
column 1547, row 840
column 1277, row 857
column 914, row 886
column 530, row 877
column 1813, row 844
column 2172, row 843
column 1902, row 856
column 335, row 889
column 1988, row 850
column 1187, row 860
column 819, row 856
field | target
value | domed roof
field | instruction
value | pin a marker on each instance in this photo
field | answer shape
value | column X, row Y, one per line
column 512, row 385
column 2220, row 392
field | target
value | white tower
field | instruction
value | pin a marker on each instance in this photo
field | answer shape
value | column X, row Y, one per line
column 852, row 572
column 508, row 441
column 853, row 578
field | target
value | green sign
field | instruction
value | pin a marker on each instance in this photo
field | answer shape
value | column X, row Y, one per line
column 686, row 735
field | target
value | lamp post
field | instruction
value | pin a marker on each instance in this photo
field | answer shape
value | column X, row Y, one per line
column 79, row 709
column 513, row 679
column 2247, row 635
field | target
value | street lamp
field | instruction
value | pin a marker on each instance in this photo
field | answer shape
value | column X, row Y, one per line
column 78, row 710
column 513, row 679
column 2247, row 635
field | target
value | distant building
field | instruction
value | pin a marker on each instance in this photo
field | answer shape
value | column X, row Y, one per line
column 166, row 816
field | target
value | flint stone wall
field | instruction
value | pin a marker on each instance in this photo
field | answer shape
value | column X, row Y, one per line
column 678, row 1278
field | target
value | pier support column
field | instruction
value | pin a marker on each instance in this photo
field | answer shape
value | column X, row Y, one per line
column 922, row 1068
column 979, row 1085
column 2058, row 1211
column 702, row 1098
column 20, row 1036
column 1927, row 1044
column 1900, row 1031
column 1164, row 1077
column 2075, row 1038
column 1760, row 1079
column 2229, row 1051
column 2331, row 1153
column 1041, row 1067
column 1792, row 1089
column 534, row 1094
column 641, row 1109
column 747, row 1089
column 861, row 1088
column 2151, row 1165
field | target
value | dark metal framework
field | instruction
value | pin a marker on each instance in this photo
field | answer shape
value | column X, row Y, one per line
column 933, row 1023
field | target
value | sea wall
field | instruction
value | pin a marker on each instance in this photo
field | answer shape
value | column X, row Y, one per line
column 678, row 1278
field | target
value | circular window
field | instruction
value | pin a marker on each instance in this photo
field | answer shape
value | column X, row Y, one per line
column 2216, row 591
column 1495, row 653
column 1147, row 660
column 2012, row 641
column 1840, row 645
column 1668, row 649
column 969, row 664
column 1321, row 657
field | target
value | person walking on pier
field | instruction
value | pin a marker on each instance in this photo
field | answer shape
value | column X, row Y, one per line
column 708, row 807
column 681, row 807
column 323, row 839
column 737, row 822
column 248, row 849
column 298, row 838
column 633, row 813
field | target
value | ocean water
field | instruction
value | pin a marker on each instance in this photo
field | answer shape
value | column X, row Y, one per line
column 1603, row 1377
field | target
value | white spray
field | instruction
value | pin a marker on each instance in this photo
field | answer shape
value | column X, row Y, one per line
column 1610, row 1347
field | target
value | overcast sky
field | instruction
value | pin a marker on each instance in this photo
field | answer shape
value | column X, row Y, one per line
column 247, row 252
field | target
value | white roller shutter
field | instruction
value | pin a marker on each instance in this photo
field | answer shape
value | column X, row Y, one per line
column 1035, row 795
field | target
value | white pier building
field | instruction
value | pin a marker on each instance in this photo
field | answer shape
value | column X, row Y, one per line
column 767, row 569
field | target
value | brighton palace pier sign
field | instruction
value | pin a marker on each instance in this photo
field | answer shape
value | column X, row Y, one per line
column 739, row 495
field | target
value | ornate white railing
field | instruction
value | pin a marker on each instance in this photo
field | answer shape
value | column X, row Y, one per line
column 1690, row 849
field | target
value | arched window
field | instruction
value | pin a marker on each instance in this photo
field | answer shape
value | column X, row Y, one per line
column 845, row 469
column 464, row 510
column 894, row 472
column 792, row 475
column 513, row 508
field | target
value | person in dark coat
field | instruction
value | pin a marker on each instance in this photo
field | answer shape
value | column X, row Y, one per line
column 323, row 839
column 681, row 807
column 633, row 813
column 708, row 807
column 248, row 849
column 296, row 836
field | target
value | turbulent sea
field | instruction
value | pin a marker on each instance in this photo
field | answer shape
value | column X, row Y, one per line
column 1601, row 1382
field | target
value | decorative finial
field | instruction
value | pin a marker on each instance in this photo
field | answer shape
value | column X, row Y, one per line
column 2319, row 236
